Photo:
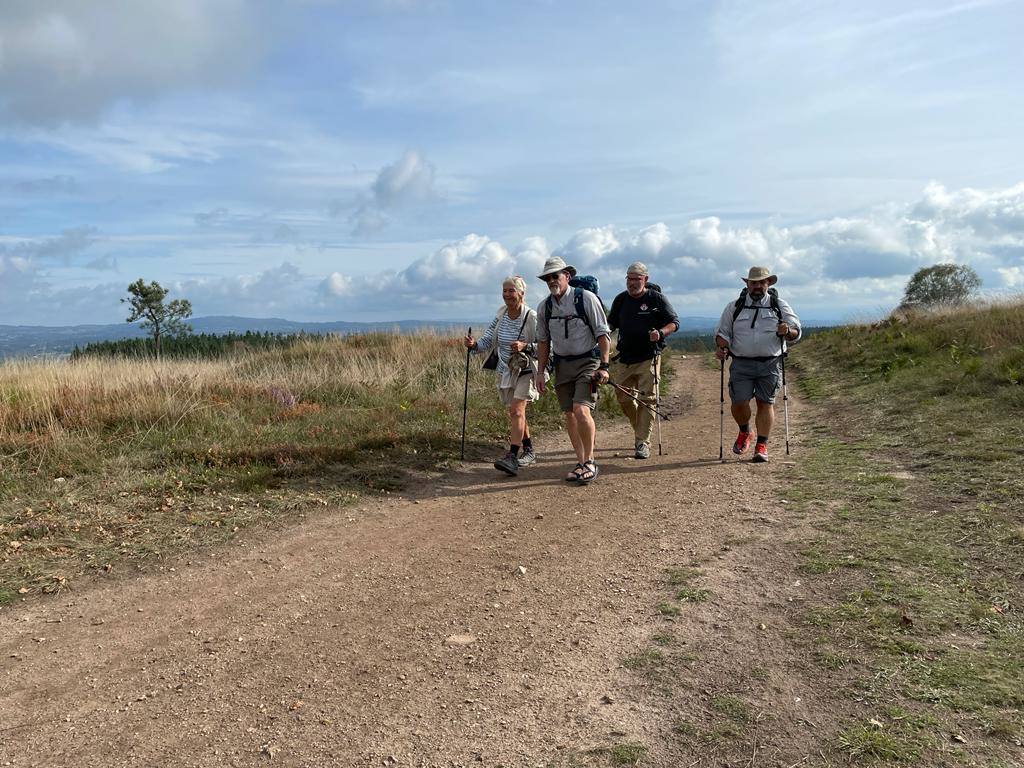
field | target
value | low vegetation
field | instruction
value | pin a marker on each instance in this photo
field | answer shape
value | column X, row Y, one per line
column 194, row 345
column 913, row 473
column 112, row 463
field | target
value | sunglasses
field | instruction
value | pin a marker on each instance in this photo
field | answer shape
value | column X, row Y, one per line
column 551, row 278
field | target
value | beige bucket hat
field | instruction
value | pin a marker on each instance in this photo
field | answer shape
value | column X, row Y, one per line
column 760, row 273
column 556, row 264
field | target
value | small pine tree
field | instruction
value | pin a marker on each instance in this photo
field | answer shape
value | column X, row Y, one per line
column 941, row 285
column 147, row 303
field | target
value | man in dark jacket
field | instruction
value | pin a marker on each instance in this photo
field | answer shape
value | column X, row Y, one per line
column 643, row 318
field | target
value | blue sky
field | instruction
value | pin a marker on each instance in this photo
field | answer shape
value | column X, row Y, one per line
column 394, row 159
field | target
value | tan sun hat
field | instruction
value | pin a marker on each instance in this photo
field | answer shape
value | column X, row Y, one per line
column 637, row 268
column 760, row 273
column 556, row 264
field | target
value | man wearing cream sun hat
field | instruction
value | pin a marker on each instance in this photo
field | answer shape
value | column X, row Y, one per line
column 754, row 331
column 571, row 326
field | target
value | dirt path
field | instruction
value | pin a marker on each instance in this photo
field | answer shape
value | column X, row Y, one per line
column 404, row 633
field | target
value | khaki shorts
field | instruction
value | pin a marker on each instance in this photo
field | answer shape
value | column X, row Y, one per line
column 574, row 381
column 524, row 389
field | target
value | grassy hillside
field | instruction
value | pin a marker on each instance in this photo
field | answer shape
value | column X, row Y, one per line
column 914, row 466
column 106, row 464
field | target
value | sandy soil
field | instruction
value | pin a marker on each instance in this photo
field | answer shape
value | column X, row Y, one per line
column 479, row 621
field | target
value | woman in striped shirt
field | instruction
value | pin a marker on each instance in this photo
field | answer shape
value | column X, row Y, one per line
column 513, row 333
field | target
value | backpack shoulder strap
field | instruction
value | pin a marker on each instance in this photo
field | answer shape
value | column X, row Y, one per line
column 740, row 302
column 526, row 316
column 581, row 310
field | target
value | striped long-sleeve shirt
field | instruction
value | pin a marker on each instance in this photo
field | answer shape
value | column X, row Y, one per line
column 505, row 330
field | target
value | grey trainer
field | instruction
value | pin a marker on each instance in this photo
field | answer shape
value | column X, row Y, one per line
column 527, row 458
column 643, row 451
column 508, row 464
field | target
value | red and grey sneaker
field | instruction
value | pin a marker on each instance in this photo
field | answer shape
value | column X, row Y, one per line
column 761, row 452
column 742, row 443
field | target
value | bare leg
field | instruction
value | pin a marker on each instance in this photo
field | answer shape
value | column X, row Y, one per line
column 741, row 412
column 765, row 418
column 587, row 432
column 517, row 421
column 572, row 428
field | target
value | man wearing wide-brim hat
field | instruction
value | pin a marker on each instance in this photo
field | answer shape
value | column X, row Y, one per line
column 754, row 331
column 571, row 326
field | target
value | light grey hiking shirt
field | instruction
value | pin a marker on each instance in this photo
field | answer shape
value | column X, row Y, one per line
column 569, row 335
column 759, row 340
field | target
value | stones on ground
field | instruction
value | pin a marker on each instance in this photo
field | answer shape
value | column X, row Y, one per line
column 269, row 750
column 460, row 640
column 519, row 571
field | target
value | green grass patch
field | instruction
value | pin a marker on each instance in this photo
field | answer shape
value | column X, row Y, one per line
column 914, row 489
column 693, row 595
column 732, row 707
column 647, row 659
column 871, row 742
column 627, row 754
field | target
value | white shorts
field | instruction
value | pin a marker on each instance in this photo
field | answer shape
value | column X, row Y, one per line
column 524, row 389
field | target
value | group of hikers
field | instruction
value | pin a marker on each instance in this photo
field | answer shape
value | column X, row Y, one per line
column 570, row 329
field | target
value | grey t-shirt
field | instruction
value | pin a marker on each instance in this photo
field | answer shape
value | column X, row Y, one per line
column 753, row 332
column 569, row 334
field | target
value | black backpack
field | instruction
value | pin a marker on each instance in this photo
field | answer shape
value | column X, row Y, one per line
column 741, row 304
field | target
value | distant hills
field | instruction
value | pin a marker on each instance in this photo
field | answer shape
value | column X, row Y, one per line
column 57, row 341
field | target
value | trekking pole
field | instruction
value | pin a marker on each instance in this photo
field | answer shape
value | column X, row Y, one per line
column 629, row 393
column 465, row 401
column 721, row 411
column 785, row 398
column 657, row 395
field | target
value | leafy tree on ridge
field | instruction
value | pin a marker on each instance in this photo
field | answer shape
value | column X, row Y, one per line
column 147, row 303
column 941, row 285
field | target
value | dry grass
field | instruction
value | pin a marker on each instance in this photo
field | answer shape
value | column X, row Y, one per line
column 49, row 399
column 104, row 462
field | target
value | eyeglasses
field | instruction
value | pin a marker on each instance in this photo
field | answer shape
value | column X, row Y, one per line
column 551, row 278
